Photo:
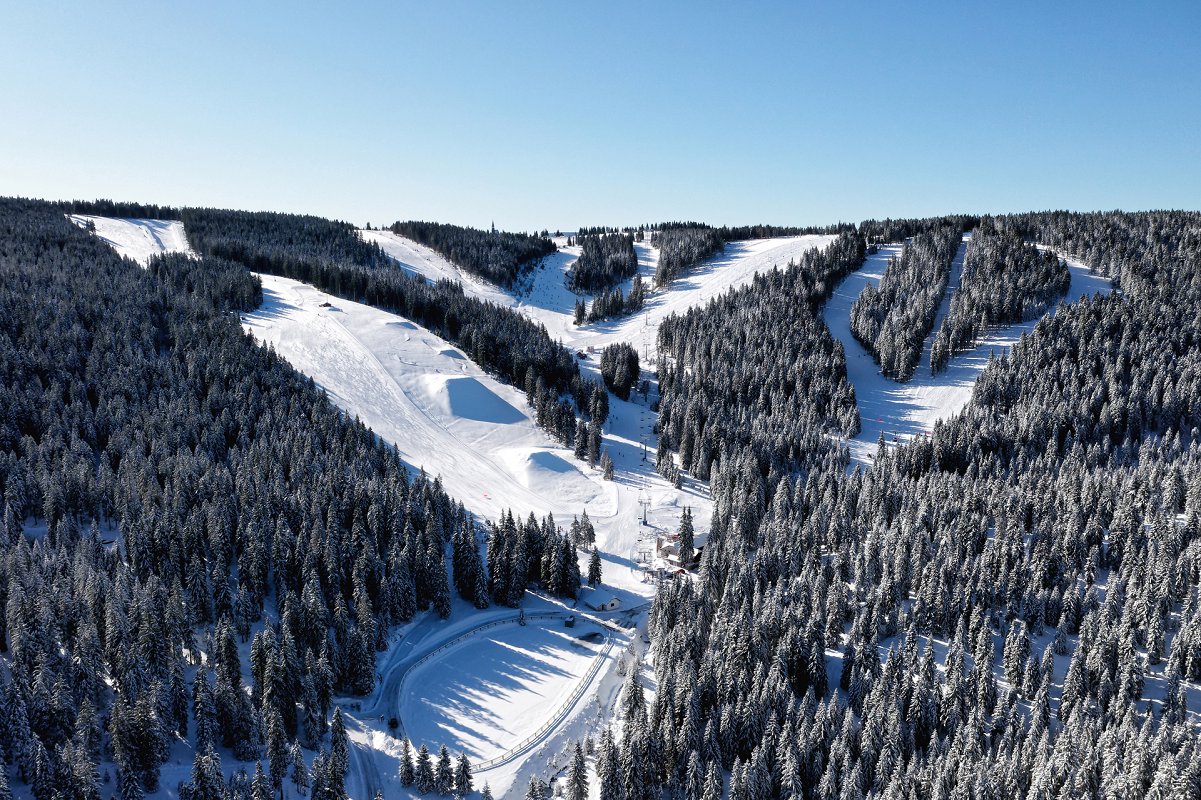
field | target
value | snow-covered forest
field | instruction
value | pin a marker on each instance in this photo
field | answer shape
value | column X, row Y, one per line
column 650, row 563
column 1004, row 279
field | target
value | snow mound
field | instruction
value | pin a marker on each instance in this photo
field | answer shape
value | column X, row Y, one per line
column 466, row 398
column 543, row 471
column 139, row 239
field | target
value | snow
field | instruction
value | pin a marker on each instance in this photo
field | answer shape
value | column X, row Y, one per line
column 549, row 302
column 440, row 410
column 543, row 294
column 467, row 398
column 903, row 410
column 446, row 415
column 417, row 259
column 139, row 239
column 495, row 689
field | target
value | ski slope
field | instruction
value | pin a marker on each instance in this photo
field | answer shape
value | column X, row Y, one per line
column 544, row 296
column 417, row 259
column 901, row 411
column 447, row 416
column 139, row 239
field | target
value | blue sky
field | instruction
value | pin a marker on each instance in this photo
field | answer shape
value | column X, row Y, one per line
column 564, row 114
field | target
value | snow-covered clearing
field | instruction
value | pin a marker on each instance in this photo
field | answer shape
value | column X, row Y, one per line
column 139, row 239
column 496, row 688
column 903, row 410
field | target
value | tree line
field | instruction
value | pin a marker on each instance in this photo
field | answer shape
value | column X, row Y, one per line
column 497, row 256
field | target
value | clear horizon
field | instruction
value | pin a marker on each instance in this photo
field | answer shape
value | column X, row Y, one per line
column 540, row 116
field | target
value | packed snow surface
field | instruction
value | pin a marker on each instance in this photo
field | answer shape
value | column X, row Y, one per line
column 446, row 415
column 139, row 239
column 498, row 687
column 901, row 411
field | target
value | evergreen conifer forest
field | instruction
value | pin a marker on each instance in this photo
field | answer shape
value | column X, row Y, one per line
column 200, row 548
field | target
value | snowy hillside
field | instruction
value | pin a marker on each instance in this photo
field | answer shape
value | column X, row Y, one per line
column 546, row 298
column 903, row 410
column 139, row 239
column 444, row 414
column 512, row 696
column 418, row 259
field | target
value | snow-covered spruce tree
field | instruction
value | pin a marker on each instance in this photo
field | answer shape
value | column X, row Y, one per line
column 444, row 776
column 577, row 775
column 594, row 568
column 423, row 780
column 408, row 773
column 464, row 784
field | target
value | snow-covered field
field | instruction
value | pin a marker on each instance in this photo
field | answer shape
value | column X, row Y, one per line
column 139, row 239
column 903, row 410
column 495, row 689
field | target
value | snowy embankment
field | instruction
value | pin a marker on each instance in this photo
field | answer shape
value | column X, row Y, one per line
column 139, row 239
column 901, row 411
